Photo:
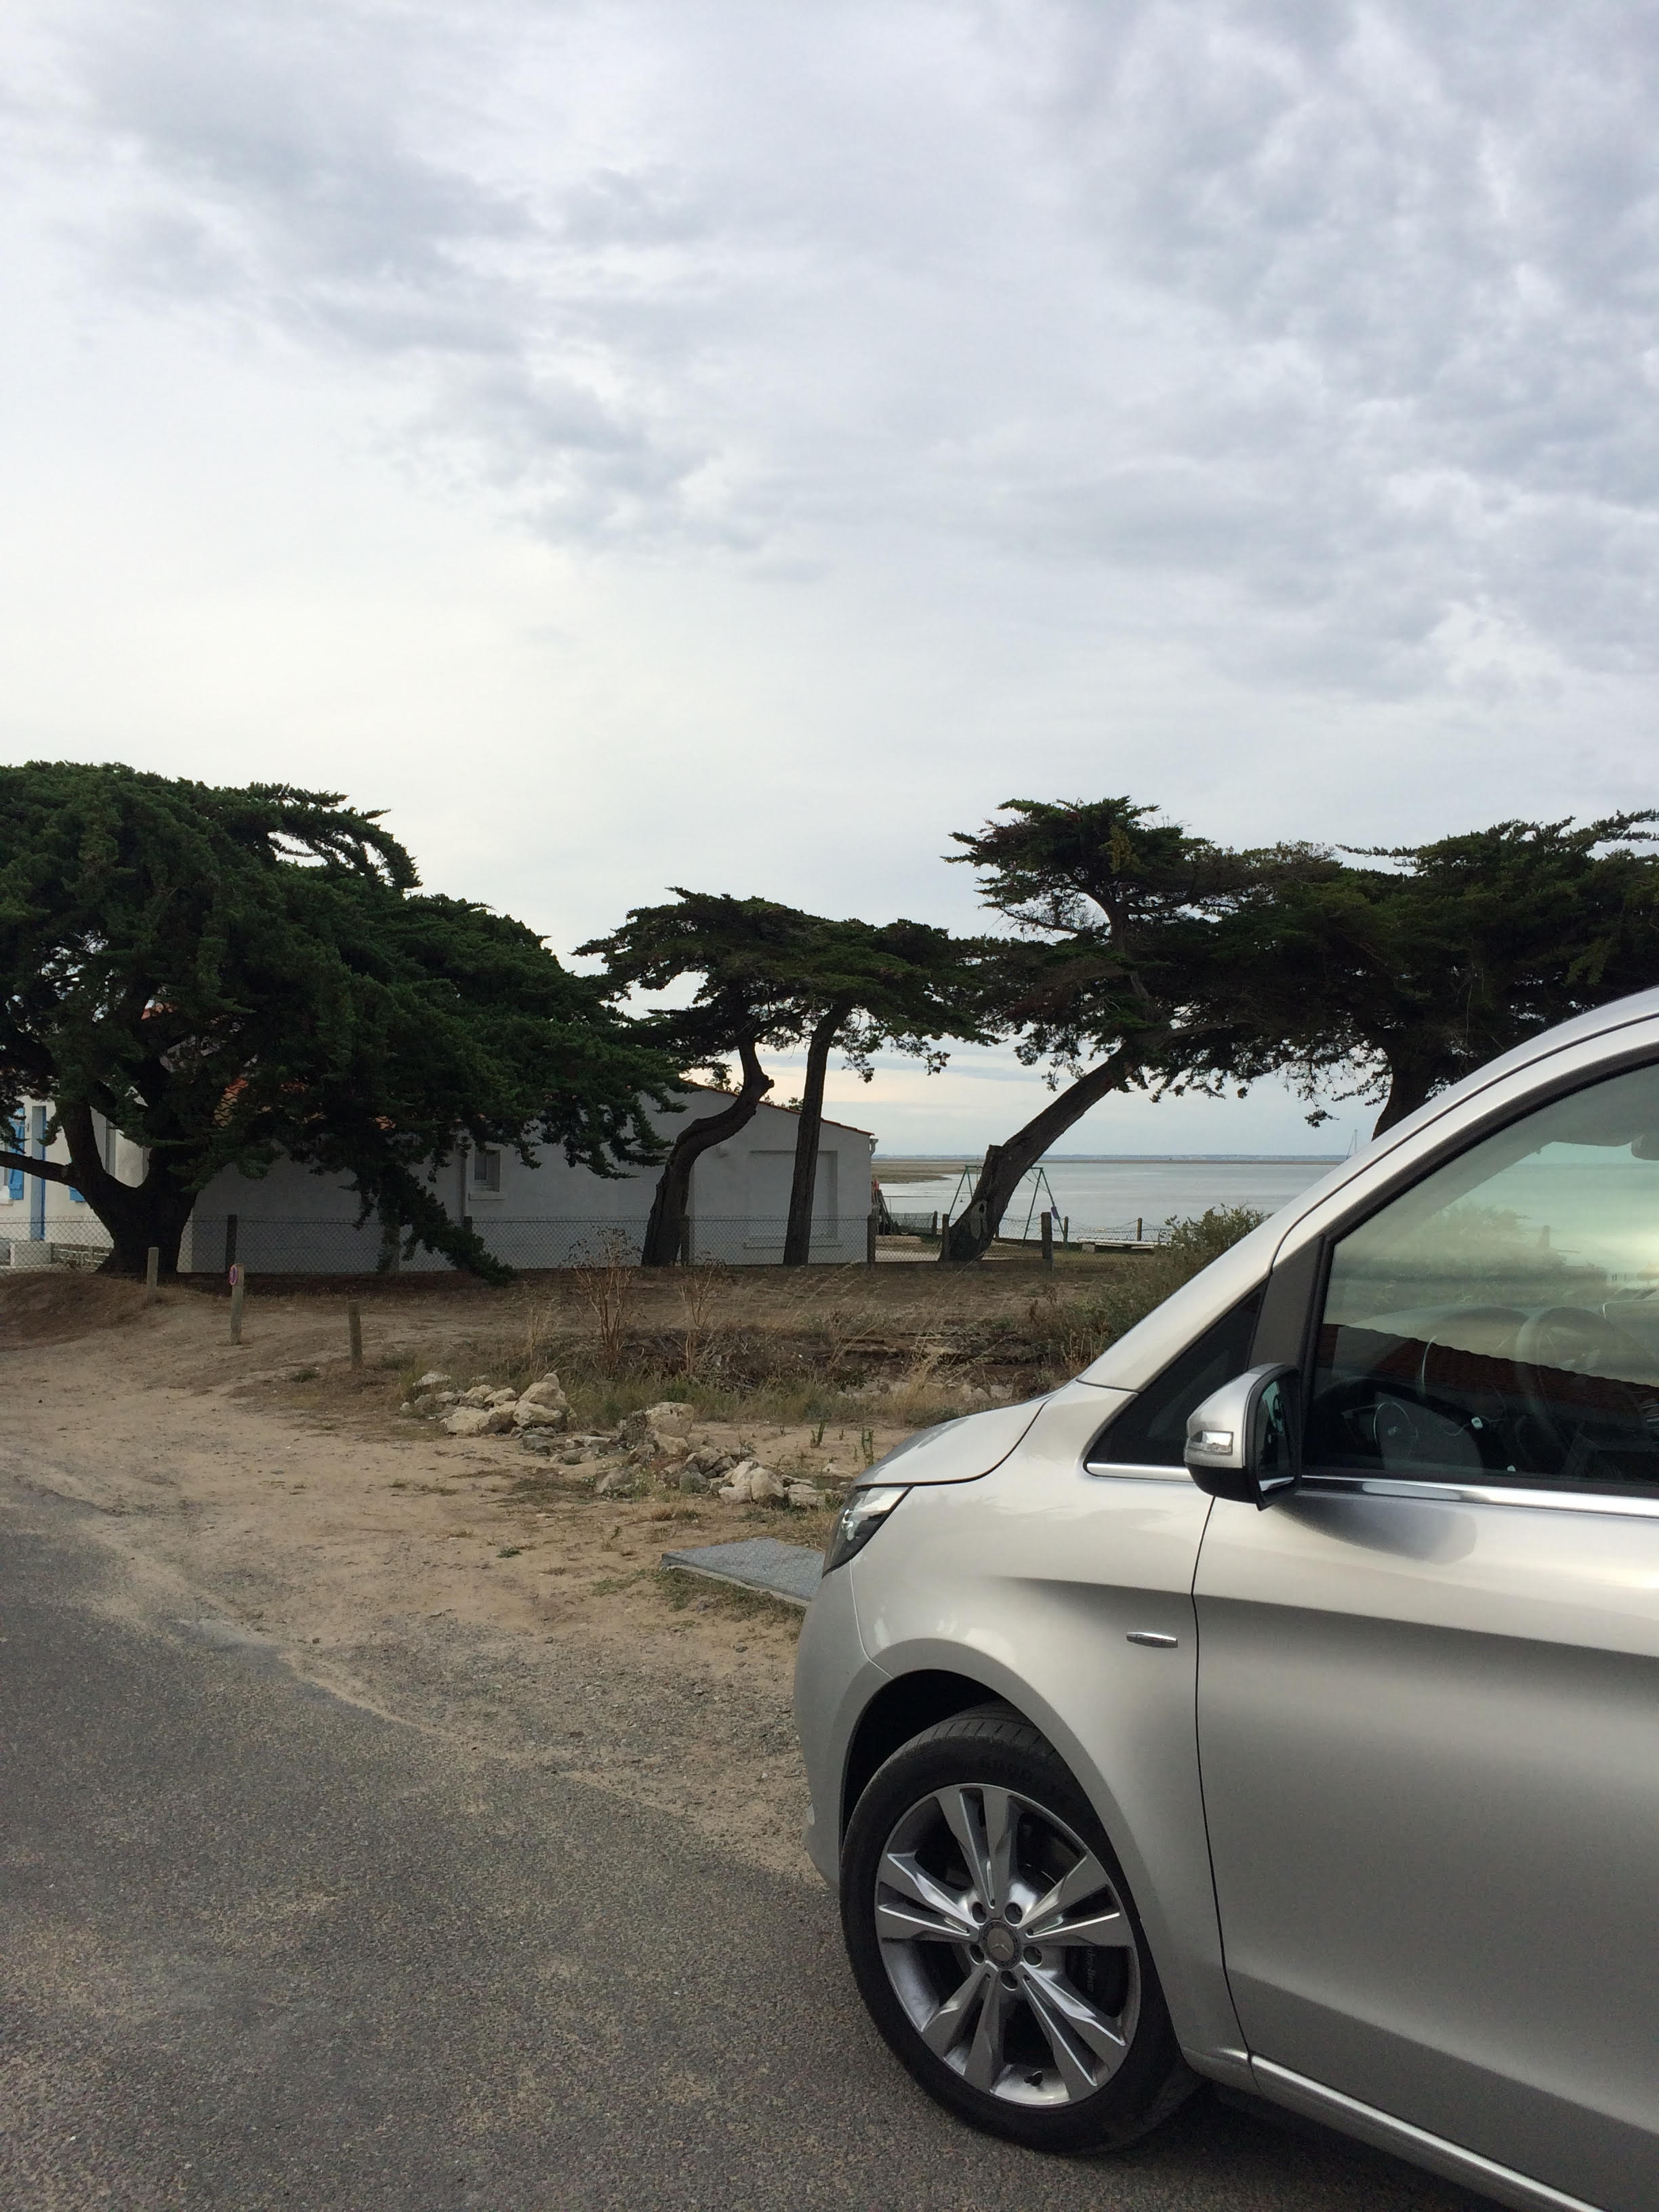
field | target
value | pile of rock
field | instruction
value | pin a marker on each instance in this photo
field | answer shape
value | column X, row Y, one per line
column 488, row 1408
column 750, row 1483
column 654, row 1445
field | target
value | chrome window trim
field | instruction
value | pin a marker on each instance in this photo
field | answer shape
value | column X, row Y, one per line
column 1604, row 1502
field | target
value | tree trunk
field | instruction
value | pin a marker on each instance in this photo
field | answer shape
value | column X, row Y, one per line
column 1411, row 1085
column 969, row 1237
column 136, row 1215
column 798, row 1235
column 666, row 1231
column 153, row 1212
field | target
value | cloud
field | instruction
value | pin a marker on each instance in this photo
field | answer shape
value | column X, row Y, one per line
column 644, row 440
column 1342, row 315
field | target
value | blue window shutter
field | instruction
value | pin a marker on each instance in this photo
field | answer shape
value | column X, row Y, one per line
column 78, row 1196
column 14, row 1175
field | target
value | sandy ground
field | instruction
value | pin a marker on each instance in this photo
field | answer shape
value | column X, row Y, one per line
column 462, row 1588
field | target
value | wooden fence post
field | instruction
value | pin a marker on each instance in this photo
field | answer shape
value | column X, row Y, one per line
column 238, row 1283
column 152, row 1274
column 355, row 1329
column 873, row 1222
column 230, row 1241
column 1047, row 1238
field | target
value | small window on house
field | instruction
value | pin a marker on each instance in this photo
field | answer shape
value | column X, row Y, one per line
column 486, row 1171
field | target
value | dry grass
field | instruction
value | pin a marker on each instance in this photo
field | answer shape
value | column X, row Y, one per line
column 854, row 1348
column 55, row 1308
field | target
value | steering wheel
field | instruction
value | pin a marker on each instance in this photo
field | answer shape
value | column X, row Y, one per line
column 1577, row 1340
column 1408, row 1424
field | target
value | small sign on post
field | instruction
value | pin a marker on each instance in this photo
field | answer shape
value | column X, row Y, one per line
column 355, row 1329
column 152, row 1274
column 238, row 1283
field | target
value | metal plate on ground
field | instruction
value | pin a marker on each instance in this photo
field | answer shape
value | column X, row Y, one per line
column 789, row 1571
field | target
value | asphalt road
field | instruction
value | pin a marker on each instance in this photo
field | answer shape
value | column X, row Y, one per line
column 262, row 1948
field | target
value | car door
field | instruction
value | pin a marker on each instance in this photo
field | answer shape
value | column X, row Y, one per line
column 1429, row 1680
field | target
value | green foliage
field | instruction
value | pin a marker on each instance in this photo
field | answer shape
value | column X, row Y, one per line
column 767, row 973
column 773, row 975
column 1081, row 1331
column 230, row 974
column 1395, row 979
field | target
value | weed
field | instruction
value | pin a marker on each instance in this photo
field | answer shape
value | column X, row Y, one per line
column 698, row 1288
column 509, row 1551
column 608, row 1285
column 867, row 1446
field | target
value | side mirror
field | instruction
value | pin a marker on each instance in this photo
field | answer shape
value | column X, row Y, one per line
column 1245, row 1441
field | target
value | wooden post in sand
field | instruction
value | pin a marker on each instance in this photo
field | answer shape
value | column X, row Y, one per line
column 238, row 1283
column 1047, row 1239
column 152, row 1274
column 355, row 1329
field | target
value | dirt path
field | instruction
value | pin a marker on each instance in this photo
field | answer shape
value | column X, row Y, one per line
column 459, row 1586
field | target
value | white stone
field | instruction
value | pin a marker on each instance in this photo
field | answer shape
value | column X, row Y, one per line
column 503, row 1397
column 752, row 1484
column 465, row 1421
column 499, row 1419
column 670, row 1414
column 479, row 1395
column 802, row 1494
column 543, row 1405
column 434, row 1379
column 529, row 1414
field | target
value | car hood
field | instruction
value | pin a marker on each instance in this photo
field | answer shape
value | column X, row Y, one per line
column 956, row 1451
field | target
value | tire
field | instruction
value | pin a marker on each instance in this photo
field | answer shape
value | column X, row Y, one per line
column 969, row 1841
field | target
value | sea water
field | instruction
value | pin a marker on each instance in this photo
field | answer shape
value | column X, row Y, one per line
column 1109, row 1197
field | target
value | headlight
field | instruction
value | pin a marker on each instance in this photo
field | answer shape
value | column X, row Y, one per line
column 857, row 1523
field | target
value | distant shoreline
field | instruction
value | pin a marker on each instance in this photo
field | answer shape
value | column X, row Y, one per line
column 924, row 1167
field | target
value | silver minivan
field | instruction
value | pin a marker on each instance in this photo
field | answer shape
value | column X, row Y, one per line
column 1279, row 1702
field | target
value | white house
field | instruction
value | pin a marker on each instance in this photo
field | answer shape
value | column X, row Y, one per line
column 39, row 1220
column 290, row 1221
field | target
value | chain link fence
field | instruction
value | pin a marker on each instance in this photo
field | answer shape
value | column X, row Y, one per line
column 343, row 1246
column 340, row 1246
column 75, row 1242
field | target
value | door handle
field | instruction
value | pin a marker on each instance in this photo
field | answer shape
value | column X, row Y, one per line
column 1158, row 1642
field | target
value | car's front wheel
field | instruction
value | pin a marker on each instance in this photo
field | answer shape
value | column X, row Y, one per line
column 996, row 1945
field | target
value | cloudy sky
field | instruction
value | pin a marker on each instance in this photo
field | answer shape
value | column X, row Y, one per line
column 737, row 444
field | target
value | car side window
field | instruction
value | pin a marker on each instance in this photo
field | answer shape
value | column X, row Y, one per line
column 1499, row 1321
column 1150, row 1431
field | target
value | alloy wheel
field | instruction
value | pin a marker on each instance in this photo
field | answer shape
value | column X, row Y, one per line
column 1007, row 1945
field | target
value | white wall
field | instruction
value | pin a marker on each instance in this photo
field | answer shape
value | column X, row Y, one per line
column 289, row 1220
column 33, row 1211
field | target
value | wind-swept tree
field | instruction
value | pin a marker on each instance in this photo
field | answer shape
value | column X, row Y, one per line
column 898, row 987
column 772, row 976
column 227, row 974
column 744, row 954
column 1113, row 977
column 1400, row 977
